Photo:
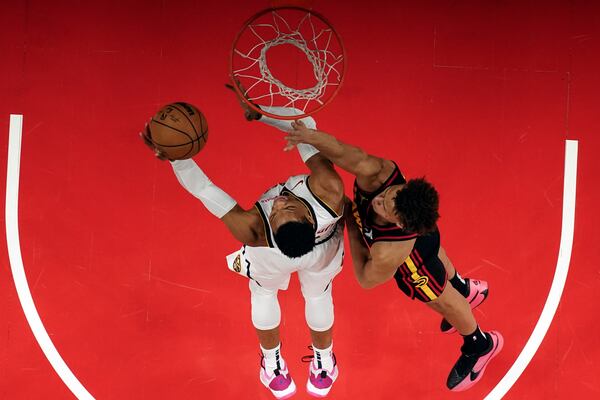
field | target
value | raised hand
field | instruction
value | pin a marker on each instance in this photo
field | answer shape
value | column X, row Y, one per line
column 299, row 134
column 145, row 136
column 249, row 113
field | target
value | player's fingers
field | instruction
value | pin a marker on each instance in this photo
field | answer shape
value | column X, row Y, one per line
column 292, row 140
column 160, row 155
column 289, row 145
column 146, row 131
column 146, row 139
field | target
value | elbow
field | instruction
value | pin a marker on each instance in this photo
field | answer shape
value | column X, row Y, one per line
column 366, row 283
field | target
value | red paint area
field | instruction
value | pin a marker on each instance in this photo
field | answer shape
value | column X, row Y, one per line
column 128, row 271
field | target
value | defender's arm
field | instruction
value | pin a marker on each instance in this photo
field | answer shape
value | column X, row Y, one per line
column 370, row 171
column 379, row 264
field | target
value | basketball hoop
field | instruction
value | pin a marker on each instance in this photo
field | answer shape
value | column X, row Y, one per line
column 287, row 57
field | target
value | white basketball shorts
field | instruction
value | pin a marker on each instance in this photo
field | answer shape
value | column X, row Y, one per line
column 272, row 270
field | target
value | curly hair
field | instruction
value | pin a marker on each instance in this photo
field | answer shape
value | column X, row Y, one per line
column 417, row 206
column 295, row 238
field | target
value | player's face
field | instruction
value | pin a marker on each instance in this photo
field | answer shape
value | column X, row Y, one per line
column 383, row 204
column 288, row 209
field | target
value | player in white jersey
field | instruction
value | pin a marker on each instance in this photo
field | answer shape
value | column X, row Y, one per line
column 293, row 227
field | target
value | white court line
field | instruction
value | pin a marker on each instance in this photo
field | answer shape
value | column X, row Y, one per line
column 16, row 262
column 558, row 283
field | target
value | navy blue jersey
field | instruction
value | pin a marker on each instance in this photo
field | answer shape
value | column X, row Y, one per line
column 422, row 276
column 371, row 231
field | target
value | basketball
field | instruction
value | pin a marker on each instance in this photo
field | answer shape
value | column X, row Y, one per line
column 179, row 130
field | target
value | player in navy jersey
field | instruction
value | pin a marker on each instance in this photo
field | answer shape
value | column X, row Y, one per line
column 393, row 232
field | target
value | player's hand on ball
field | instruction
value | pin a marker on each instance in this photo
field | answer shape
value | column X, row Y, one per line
column 145, row 136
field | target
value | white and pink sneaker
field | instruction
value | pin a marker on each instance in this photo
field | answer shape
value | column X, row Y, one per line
column 278, row 381
column 321, row 380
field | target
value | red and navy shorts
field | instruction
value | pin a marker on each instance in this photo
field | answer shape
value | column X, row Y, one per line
column 423, row 276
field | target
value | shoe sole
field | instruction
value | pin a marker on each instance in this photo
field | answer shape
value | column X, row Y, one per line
column 467, row 382
column 311, row 390
column 474, row 303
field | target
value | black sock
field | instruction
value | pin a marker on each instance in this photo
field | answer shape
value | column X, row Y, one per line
column 475, row 343
column 460, row 284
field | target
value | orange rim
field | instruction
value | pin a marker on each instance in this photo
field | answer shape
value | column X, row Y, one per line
column 240, row 92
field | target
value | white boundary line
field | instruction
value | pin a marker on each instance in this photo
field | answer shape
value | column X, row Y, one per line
column 16, row 262
column 558, row 283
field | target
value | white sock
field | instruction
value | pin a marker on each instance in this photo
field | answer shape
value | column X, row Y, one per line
column 273, row 359
column 324, row 357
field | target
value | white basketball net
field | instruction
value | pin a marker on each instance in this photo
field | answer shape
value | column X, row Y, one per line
column 310, row 35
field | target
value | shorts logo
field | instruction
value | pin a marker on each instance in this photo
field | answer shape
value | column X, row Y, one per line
column 421, row 281
column 237, row 265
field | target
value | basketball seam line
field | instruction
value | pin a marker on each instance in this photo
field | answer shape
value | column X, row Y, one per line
column 175, row 129
column 188, row 118
column 192, row 124
column 177, row 145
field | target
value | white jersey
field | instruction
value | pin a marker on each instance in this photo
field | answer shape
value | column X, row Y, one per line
column 325, row 217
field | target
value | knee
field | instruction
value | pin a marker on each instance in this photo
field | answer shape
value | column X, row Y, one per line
column 319, row 312
column 266, row 313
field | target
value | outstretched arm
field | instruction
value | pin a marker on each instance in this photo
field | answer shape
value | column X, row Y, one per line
column 306, row 151
column 242, row 224
column 370, row 171
column 325, row 181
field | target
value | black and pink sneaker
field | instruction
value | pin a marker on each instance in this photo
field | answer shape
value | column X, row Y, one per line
column 278, row 381
column 469, row 368
column 478, row 292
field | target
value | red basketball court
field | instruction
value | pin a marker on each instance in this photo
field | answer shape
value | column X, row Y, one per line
column 127, row 271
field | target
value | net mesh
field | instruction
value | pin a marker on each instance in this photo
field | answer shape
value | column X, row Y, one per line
column 301, row 30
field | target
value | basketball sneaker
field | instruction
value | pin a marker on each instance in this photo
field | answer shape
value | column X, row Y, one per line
column 320, row 380
column 278, row 381
column 478, row 292
column 469, row 368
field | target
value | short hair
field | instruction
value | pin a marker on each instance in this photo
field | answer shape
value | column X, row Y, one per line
column 417, row 206
column 295, row 238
